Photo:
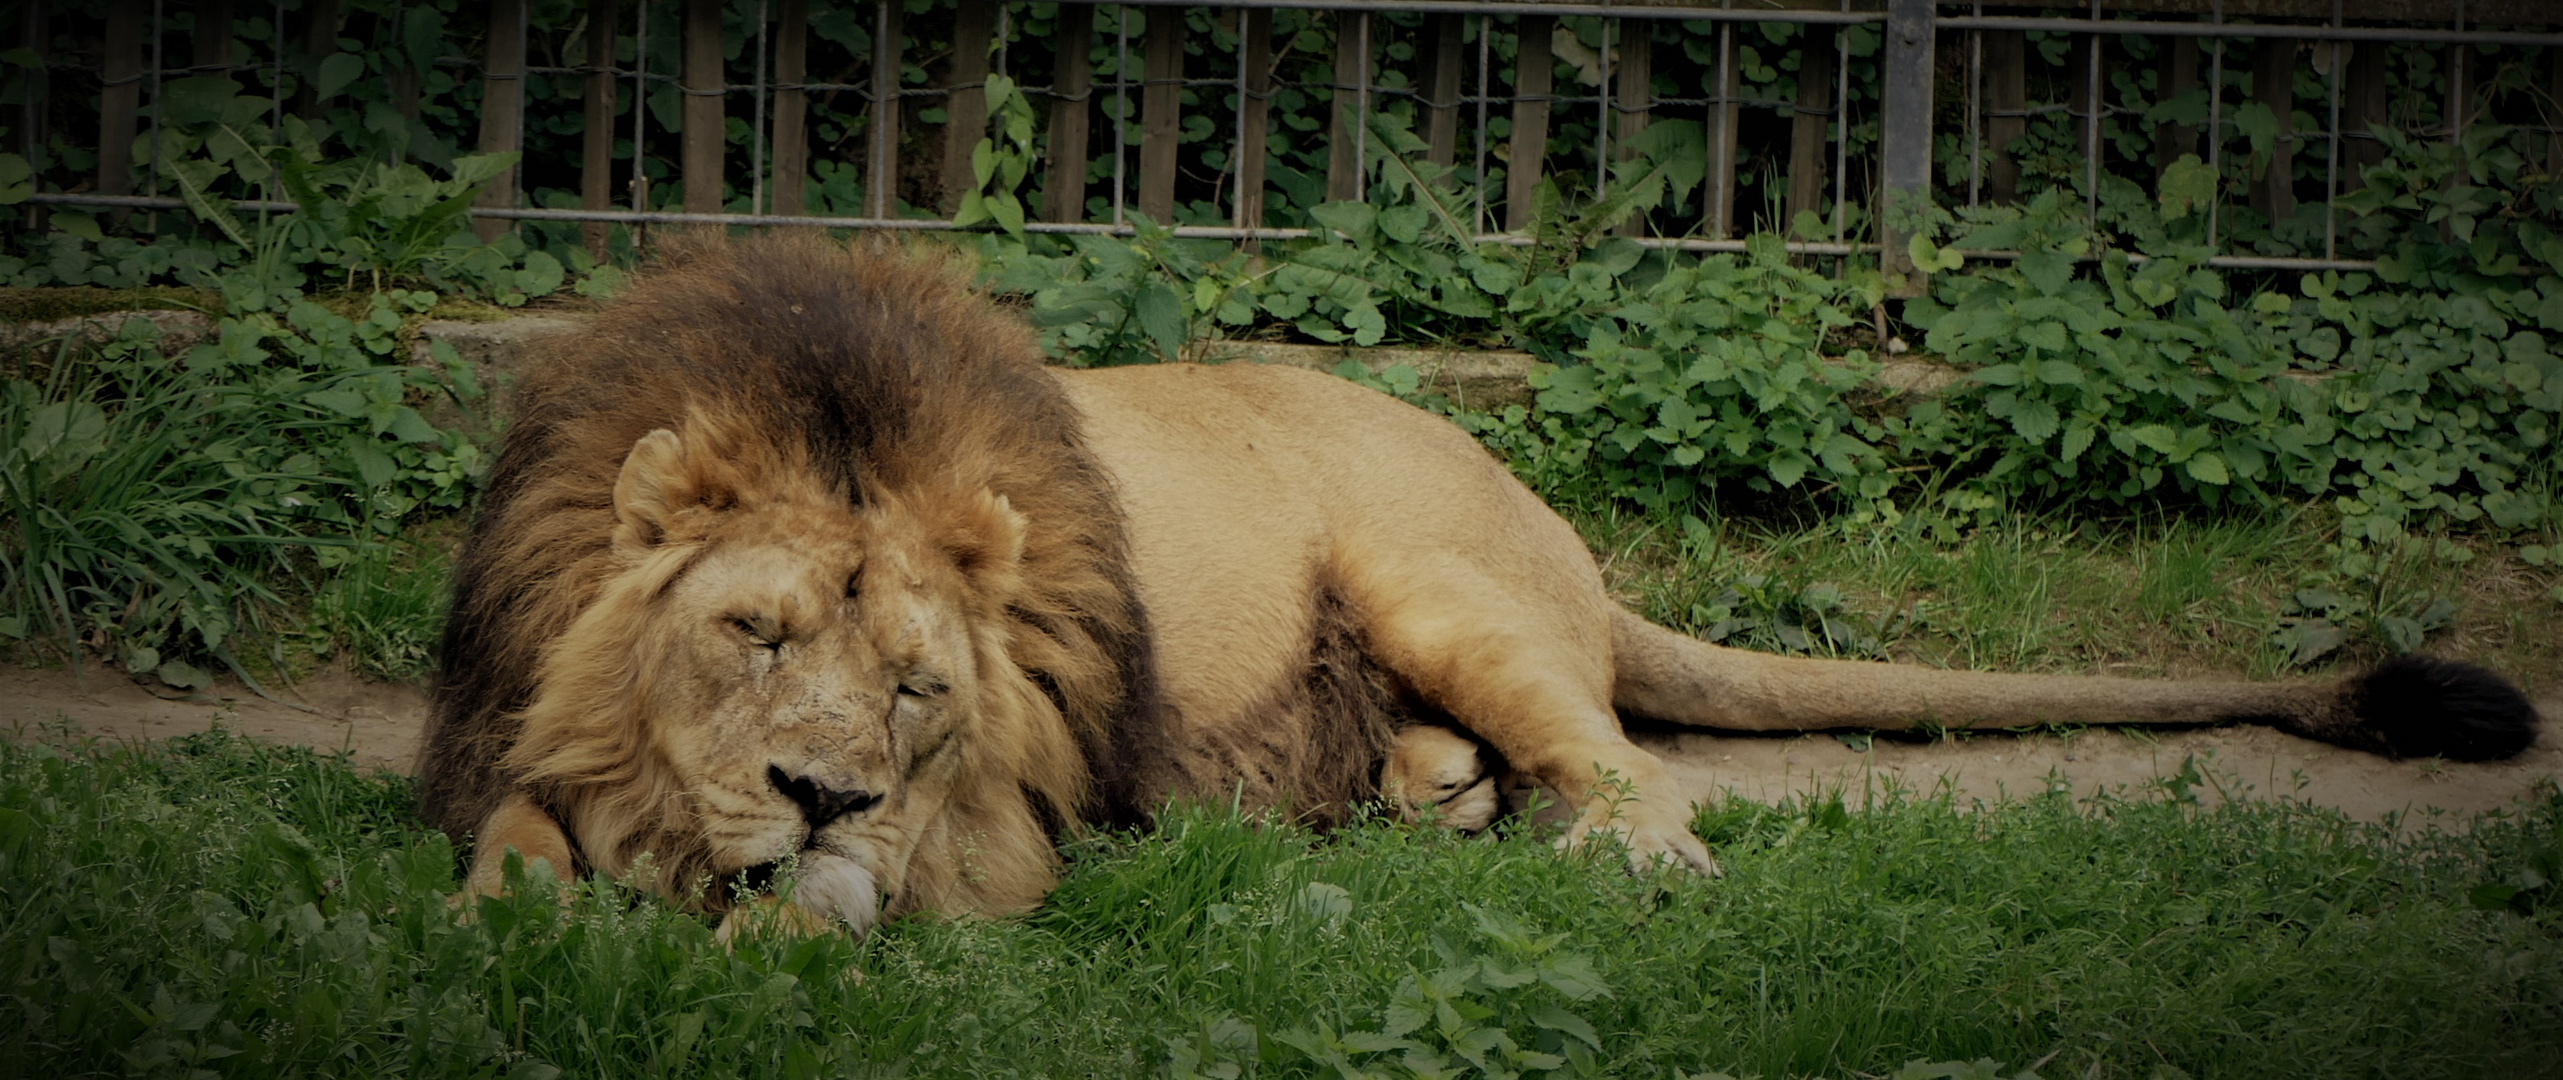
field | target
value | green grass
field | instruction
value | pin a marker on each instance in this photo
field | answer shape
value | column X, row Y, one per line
column 213, row 904
column 2154, row 596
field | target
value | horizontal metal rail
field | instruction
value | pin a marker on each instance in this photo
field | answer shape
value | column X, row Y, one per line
column 1182, row 232
column 2156, row 28
column 1499, row 7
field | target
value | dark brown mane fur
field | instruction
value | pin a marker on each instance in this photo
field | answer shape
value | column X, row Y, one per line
column 882, row 371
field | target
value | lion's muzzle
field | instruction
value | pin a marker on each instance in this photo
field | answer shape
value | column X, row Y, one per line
column 822, row 798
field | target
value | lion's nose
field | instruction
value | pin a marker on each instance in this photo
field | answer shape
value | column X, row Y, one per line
column 819, row 803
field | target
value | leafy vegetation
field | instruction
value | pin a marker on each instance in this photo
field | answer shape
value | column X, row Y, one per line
column 153, row 497
column 247, row 911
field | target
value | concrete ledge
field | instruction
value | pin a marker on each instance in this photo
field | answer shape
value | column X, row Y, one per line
column 1472, row 378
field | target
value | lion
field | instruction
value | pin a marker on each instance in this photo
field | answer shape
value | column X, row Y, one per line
column 799, row 568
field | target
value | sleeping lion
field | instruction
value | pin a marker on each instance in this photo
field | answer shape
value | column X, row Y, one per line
column 798, row 558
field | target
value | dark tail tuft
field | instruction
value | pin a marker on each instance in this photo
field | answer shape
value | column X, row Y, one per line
column 2420, row 706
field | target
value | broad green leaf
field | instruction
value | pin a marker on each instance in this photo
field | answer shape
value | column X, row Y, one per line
column 2035, row 421
column 2187, row 186
column 337, row 72
column 2208, row 467
column 1161, row 316
column 2154, row 436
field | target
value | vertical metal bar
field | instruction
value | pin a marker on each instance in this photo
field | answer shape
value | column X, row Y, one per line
column 787, row 190
column 2216, row 124
column 1005, row 35
column 596, row 149
column 276, row 90
column 1063, row 195
column 1841, row 129
column 640, row 102
column 1254, row 115
column 2332, row 165
column 1532, row 73
column 1905, row 128
column 1237, row 133
column 1975, row 105
column 699, row 164
column 151, row 222
column 1602, row 116
column 756, row 152
column 1120, row 104
column 2094, row 103
column 1485, row 57
column 1361, row 113
column 881, row 181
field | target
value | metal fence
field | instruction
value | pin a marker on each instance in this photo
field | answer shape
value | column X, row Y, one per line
column 1492, row 119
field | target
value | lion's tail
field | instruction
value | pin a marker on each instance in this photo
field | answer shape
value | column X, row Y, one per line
column 2412, row 706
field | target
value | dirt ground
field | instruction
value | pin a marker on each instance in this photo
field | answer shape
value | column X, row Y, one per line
column 378, row 725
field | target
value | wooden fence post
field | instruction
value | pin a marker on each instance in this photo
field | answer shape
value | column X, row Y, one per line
column 1441, row 88
column 791, row 109
column 2274, row 87
column 1161, row 104
column 1254, row 114
column 2006, row 94
column 502, row 108
column 320, row 40
column 1344, row 165
column 2553, row 139
column 119, row 99
column 966, row 109
column 1063, row 195
column 2366, row 106
column 881, row 176
column 596, row 148
column 1726, row 112
column 1633, row 79
column 2180, row 75
column 699, row 160
column 1807, row 127
column 1905, row 125
column 1533, row 71
column 213, row 35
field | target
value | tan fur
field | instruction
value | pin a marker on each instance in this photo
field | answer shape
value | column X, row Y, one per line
column 1246, row 584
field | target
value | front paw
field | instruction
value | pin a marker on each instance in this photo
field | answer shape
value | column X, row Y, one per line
column 829, row 892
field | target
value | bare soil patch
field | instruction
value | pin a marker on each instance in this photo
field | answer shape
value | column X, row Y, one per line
column 378, row 725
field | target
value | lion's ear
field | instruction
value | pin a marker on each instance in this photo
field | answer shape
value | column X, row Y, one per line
column 654, row 485
column 985, row 539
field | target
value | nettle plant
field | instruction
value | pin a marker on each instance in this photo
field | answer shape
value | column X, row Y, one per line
column 156, row 495
column 1714, row 369
column 361, row 218
column 2426, row 390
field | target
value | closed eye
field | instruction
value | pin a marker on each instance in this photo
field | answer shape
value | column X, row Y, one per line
column 749, row 630
column 921, row 686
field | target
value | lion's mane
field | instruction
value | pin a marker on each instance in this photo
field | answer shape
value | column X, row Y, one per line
column 810, row 371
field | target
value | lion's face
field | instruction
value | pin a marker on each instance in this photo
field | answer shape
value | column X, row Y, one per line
column 782, row 678
column 811, row 682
